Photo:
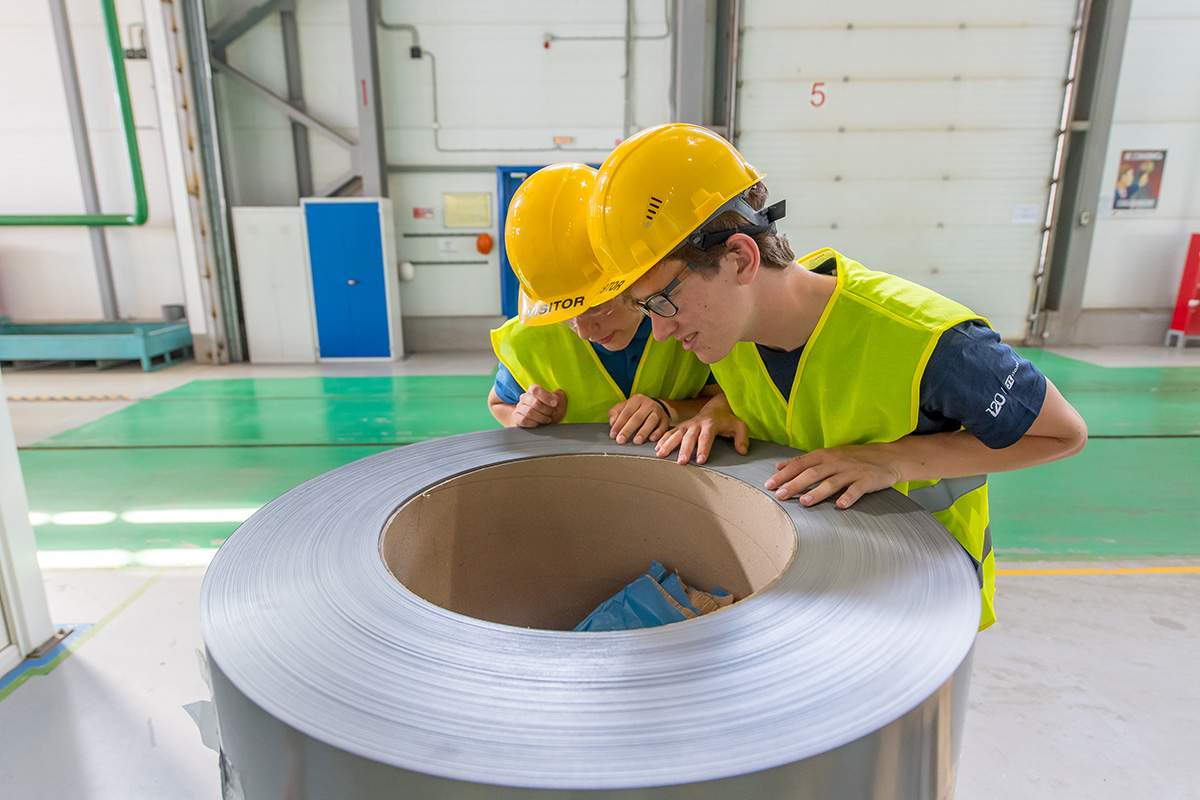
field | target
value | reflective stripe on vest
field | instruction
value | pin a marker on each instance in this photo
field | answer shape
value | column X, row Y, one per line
column 943, row 494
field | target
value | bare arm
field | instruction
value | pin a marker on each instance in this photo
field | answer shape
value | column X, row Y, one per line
column 501, row 410
column 855, row 470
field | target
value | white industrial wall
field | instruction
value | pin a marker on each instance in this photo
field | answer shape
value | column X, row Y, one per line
column 917, row 138
column 257, row 144
column 48, row 273
column 1137, row 255
column 502, row 95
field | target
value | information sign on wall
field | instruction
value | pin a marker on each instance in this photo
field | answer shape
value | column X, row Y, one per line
column 1139, row 178
column 468, row 210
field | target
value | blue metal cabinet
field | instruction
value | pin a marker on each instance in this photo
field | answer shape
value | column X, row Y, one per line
column 354, row 295
column 508, row 180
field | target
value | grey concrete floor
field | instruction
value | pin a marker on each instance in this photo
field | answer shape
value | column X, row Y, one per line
column 108, row 722
column 1086, row 688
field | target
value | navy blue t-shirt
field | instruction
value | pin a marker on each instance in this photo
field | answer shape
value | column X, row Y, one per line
column 972, row 381
column 622, row 365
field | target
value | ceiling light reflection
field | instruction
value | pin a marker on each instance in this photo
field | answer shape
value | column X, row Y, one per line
column 114, row 559
column 177, row 515
column 83, row 518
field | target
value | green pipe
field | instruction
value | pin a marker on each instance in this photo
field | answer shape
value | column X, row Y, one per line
column 141, row 209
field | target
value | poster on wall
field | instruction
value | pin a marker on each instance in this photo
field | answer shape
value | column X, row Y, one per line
column 1139, row 177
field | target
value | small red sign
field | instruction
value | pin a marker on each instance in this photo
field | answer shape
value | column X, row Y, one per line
column 422, row 213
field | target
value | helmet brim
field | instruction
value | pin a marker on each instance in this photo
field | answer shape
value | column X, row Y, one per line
column 561, row 309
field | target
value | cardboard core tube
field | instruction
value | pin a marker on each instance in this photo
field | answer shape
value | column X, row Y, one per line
column 539, row 543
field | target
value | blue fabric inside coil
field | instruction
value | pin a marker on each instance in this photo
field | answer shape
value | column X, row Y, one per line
column 642, row 604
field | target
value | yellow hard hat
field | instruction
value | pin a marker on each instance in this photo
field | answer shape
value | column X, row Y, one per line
column 657, row 187
column 546, row 238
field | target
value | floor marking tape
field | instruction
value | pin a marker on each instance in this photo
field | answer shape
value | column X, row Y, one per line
column 1102, row 571
column 73, row 398
column 45, row 669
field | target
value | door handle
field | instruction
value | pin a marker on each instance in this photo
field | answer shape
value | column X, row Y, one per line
column 352, row 282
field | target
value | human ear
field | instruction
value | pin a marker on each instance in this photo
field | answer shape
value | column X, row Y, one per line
column 743, row 255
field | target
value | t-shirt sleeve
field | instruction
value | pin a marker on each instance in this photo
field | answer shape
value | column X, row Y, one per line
column 974, row 381
column 506, row 386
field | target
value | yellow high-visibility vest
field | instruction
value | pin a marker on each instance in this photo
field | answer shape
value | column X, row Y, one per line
column 859, row 382
column 554, row 357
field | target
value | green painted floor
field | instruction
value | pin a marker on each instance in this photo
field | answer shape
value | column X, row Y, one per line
column 293, row 411
column 1119, row 498
column 215, row 446
column 1127, row 401
column 124, row 482
column 219, row 447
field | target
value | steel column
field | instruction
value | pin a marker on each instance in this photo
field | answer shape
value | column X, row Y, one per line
column 725, row 67
column 691, row 64
column 295, row 85
column 370, row 159
column 83, row 156
column 1060, row 298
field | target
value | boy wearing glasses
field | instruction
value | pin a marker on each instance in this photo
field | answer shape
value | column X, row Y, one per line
column 883, row 382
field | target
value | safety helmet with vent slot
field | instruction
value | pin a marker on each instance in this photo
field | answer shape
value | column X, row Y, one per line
column 659, row 187
column 546, row 239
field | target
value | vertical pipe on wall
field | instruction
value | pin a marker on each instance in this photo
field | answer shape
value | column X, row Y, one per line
column 83, row 156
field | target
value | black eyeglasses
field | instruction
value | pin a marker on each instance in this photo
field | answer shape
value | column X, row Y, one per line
column 660, row 302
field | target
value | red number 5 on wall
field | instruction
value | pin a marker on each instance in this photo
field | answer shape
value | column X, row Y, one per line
column 817, row 98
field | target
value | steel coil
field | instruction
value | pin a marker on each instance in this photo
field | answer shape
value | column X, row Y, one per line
column 393, row 628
